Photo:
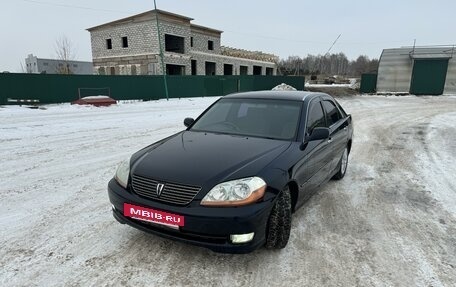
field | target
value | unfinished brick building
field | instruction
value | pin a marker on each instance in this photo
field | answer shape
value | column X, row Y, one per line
column 130, row 46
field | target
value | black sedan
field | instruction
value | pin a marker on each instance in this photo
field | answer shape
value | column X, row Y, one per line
column 232, row 179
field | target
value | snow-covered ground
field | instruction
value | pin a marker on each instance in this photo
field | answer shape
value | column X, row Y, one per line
column 328, row 85
column 390, row 222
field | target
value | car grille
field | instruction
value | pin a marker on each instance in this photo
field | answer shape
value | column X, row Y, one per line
column 179, row 194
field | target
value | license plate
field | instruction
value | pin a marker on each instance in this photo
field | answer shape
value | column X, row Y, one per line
column 154, row 216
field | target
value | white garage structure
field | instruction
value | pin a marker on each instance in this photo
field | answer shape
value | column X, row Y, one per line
column 417, row 70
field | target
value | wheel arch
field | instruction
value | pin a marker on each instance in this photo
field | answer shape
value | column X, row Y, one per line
column 294, row 192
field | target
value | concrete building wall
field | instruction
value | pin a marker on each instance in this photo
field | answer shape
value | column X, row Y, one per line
column 175, row 28
column 142, row 56
column 220, row 60
column 31, row 64
column 51, row 66
column 140, row 36
column 200, row 43
column 173, row 59
column 144, row 64
column 143, row 49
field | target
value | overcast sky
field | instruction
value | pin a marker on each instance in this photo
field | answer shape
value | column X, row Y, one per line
column 281, row 27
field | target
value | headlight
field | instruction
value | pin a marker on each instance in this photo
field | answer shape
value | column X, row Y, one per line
column 122, row 173
column 236, row 192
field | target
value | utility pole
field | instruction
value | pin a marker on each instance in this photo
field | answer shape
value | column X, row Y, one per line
column 334, row 43
column 161, row 52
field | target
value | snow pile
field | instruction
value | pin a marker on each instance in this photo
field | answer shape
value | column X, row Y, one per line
column 355, row 84
column 283, row 87
column 99, row 97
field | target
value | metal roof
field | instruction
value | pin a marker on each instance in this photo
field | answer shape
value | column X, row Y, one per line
column 424, row 52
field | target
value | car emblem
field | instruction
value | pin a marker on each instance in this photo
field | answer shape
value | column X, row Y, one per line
column 160, row 188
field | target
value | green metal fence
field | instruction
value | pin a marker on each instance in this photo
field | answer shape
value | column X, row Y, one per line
column 368, row 83
column 64, row 88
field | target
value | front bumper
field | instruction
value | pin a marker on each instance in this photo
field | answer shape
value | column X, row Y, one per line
column 209, row 227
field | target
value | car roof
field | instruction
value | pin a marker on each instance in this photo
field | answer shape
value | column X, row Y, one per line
column 276, row 95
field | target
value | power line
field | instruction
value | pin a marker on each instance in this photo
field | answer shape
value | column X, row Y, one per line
column 274, row 38
column 314, row 42
column 75, row 7
column 229, row 31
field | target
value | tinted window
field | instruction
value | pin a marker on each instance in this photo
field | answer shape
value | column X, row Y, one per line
column 316, row 117
column 332, row 113
column 344, row 114
column 216, row 114
column 252, row 117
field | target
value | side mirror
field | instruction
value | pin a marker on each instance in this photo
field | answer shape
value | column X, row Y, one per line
column 318, row 134
column 188, row 122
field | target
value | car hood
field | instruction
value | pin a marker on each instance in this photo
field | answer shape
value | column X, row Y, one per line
column 205, row 159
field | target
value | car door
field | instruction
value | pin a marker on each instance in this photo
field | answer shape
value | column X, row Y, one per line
column 312, row 168
column 338, row 132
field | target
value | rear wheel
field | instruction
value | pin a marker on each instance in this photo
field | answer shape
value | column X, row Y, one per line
column 279, row 225
column 343, row 163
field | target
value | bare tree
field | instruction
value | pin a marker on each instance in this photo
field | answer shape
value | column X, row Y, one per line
column 65, row 53
column 330, row 64
column 23, row 68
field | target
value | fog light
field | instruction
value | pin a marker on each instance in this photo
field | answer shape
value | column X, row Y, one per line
column 241, row 238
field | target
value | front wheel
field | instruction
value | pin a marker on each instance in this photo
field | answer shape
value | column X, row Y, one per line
column 279, row 225
column 343, row 163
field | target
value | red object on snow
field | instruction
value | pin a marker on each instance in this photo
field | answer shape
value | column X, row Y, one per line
column 97, row 101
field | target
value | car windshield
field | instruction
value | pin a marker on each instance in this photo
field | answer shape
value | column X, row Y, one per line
column 276, row 119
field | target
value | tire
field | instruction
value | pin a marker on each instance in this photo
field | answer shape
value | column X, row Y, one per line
column 342, row 166
column 279, row 225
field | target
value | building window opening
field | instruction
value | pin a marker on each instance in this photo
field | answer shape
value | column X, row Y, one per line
column 210, row 45
column 269, row 71
column 175, row 70
column 257, row 70
column 243, row 70
column 227, row 69
column 124, row 42
column 210, row 69
column 193, row 67
column 174, row 44
column 108, row 44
